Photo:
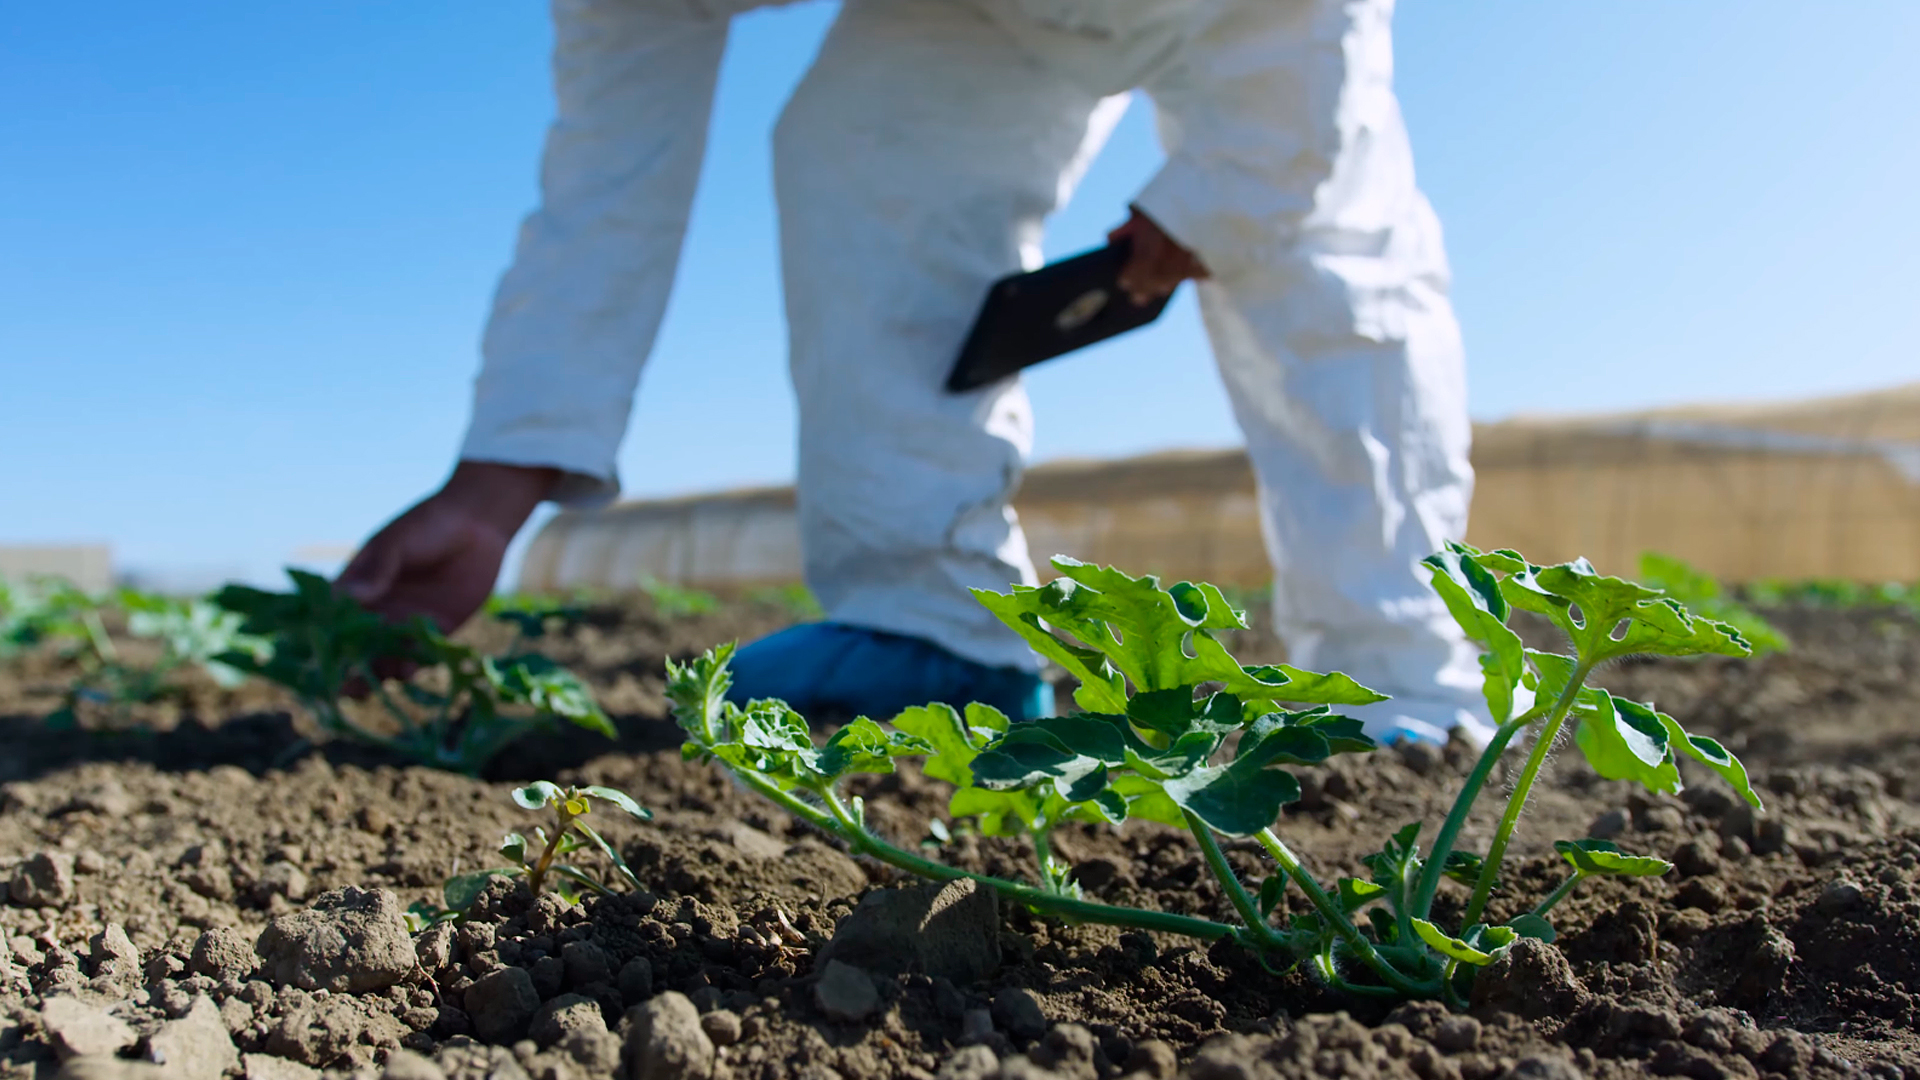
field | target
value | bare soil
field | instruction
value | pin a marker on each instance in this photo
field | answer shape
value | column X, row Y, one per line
column 1785, row 944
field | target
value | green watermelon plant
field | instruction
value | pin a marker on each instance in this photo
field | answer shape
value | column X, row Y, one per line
column 1172, row 729
column 457, row 708
column 546, row 862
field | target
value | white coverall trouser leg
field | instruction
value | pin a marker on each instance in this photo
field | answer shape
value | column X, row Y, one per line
column 917, row 163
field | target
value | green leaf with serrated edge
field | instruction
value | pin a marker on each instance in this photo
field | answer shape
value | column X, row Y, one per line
column 537, row 794
column 957, row 740
column 865, row 747
column 553, row 690
column 954, row 744
column 1602, row 600
column 1356, row 894
column 1604, row 857
column 1147, row 799
column 1274, row 740
column 1344, row 734
column 1102, row 689
column 1447, row 945
column 1533, row 926
column 1396, row 866
column 1233, row 800
column 513, row 848
column 1664, row 627
column 1707, row 752
column 1141, row 631
column 1623, row 740
column 698, row 692
column 1473, row 597
column 618, row 798
column 460, row 891
column 1272, row 892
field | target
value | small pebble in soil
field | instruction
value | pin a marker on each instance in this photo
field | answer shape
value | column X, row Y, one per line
column 722, row 1026
column 1839, row 898
column 1018, row 1013
column 1611, row 824
column 845, row 993
column 1457, row 1034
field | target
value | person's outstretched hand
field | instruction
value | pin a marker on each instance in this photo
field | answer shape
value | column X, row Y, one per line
column 441, row 557
column 1157, row 264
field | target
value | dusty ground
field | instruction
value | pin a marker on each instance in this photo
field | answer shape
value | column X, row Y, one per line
column 1785, row 944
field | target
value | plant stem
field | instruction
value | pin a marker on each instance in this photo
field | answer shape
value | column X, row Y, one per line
column 538, row 873
column 1558, row 894
column 1542, row 743
column 1336, row 918
column 840, row 823
column 1230, row 881
column 1443, row 842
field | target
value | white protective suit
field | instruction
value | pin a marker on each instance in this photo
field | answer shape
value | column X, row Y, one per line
column 916, row 163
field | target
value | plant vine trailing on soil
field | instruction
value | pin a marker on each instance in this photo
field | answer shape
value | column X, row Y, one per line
column 456, row 711
column 1148, row 743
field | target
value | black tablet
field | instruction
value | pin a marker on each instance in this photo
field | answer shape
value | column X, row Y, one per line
column 1036, row 316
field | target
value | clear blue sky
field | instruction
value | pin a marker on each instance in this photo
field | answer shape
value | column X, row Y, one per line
column 246, row 249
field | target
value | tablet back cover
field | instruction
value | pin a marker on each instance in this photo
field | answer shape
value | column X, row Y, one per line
column 1036, row 316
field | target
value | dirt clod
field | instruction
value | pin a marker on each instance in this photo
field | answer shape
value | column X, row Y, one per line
column 563, row 1016
column 845, row 993
column 722, row 1026
column 195, row 1046
column 316, row 1031
column 79, row 1029
column 949, row 930
column 223, row 954
column 350, row 941
column 44, row 880
column 1533, row 979
column 1017, row 1012
column 501, row 1004
column 665, row 1042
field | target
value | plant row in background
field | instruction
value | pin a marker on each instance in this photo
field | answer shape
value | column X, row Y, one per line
column 1172, row 729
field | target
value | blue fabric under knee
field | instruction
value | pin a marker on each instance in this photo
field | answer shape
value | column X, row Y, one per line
column 835, row 668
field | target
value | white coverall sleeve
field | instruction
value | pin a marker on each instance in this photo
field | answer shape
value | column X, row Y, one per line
column 576, row 314
column 1290, row 174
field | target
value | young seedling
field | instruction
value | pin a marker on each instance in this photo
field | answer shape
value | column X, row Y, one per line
column 456, row 711
column 1148, row 744
column 534, row 617
column 540, row 862
column 677, row 601
column 190, row 632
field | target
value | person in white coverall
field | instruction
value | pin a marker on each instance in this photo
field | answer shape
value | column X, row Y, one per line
column 915, row 164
